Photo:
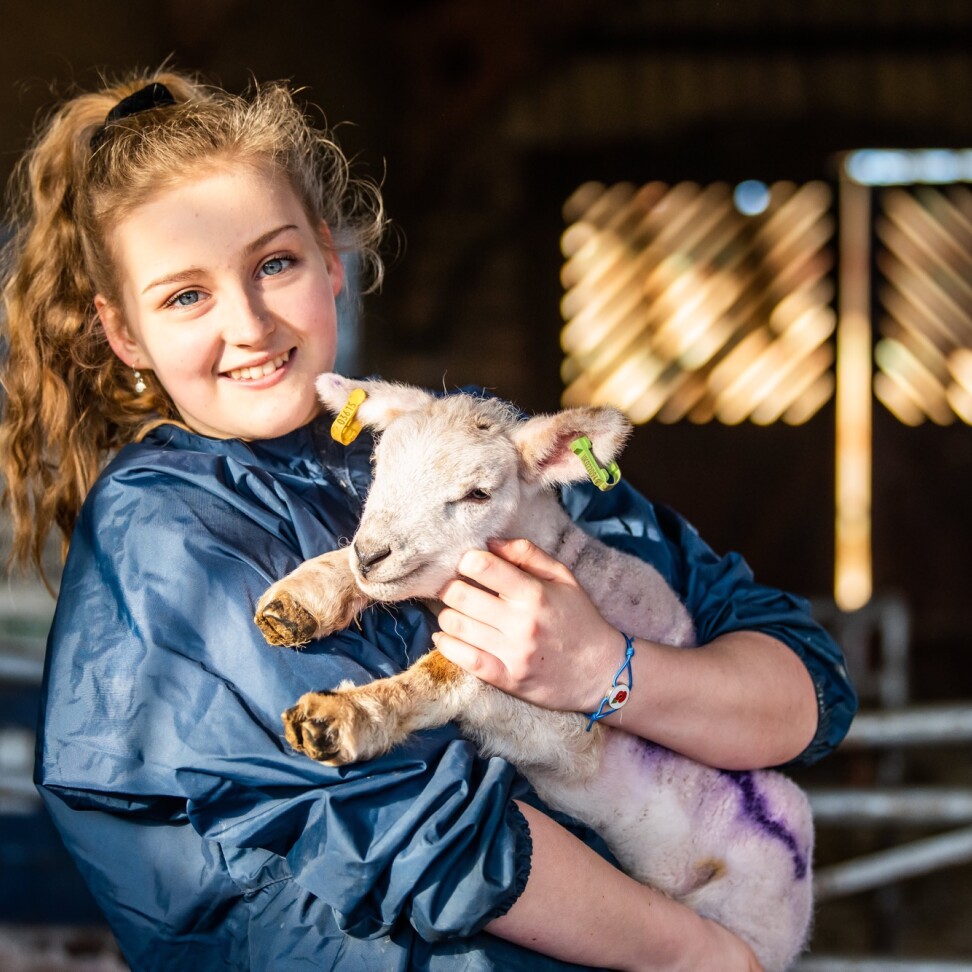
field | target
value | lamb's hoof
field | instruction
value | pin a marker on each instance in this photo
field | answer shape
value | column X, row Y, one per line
column 284, row 622
column 313, row 727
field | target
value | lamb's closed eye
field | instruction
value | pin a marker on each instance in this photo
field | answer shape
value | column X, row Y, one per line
column 477, row 495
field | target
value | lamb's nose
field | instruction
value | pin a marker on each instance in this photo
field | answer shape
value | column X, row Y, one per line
column 368, row 558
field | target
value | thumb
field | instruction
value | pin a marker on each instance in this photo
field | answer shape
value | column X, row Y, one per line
column 529, row 557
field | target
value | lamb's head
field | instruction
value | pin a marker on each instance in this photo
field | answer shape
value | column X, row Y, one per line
column 452, row 472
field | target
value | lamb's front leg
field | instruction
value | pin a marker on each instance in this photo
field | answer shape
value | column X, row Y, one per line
column 354, row 723
column 319, row 597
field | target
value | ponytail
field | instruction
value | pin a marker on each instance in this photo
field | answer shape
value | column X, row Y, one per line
column 50, row 449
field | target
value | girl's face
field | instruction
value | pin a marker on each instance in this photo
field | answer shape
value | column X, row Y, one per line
column 227, row 295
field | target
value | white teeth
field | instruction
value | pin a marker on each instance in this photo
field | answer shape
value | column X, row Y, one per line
column 248, row 374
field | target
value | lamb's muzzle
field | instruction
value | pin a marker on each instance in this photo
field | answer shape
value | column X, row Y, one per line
column 367, row 557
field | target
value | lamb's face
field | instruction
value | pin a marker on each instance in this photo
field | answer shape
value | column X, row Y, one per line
column 446, row 480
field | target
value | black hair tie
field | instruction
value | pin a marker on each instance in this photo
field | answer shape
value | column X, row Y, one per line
column 154, row 95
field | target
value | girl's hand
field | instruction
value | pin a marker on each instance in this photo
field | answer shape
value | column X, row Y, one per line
column 526, row 626
column 724, row 952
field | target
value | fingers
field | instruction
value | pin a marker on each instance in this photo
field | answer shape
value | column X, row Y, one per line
column 501, row 568
column 479, row 663
column 471, row 630
column 529, row 557
column 511, row 610
column 469, row 599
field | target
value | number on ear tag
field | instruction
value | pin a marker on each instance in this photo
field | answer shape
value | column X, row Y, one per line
column 344, row 428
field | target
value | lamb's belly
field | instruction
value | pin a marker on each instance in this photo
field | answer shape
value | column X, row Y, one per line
column 675, row 824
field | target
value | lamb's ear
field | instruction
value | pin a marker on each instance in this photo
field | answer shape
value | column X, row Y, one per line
column 385, row 400
column 544, row 442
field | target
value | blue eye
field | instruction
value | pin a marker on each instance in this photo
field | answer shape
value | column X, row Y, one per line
column 185, row 299
column 275, row 265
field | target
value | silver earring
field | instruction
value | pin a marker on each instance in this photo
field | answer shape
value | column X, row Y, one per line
column 140, row 385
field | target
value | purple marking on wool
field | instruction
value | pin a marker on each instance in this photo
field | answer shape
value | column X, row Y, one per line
column 754, row 805
column 650, row 751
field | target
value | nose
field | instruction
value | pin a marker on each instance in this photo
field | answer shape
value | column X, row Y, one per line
column 368, row 557
column 249, row 322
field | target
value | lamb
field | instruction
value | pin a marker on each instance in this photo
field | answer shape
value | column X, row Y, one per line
column 450, row 472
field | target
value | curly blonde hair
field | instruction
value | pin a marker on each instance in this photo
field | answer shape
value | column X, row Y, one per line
column 68, row 400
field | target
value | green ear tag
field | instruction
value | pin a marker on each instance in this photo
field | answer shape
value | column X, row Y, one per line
column 603, row 479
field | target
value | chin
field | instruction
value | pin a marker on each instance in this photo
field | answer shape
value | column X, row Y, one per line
column 277, row 425
column 421, row 583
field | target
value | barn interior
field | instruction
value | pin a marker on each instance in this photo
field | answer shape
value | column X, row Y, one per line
column 749, row 225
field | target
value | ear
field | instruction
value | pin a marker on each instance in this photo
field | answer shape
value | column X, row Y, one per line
column 119, row 337
column 384, row 402
column 544, row 442
column 335, row 268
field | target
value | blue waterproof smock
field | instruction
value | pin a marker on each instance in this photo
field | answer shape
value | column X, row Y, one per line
column 207, row 841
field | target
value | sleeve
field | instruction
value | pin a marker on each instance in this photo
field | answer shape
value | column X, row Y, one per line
column 162, row 699
column 722, row 595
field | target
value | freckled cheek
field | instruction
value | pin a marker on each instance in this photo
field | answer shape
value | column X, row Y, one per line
column 312, row 308
column 187, row 363
column 310, row 319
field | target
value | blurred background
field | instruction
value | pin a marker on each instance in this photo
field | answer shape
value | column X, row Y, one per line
column 678, row 206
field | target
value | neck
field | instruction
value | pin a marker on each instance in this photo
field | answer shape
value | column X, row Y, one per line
column 542, row 520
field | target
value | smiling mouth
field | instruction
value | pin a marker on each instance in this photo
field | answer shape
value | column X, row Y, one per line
column 259, row 371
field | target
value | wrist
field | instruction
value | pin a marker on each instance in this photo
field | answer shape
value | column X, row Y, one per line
column 700, row 947
column 679, row 940
column 617, row 688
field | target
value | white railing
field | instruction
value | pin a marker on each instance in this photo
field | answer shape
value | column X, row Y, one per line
column 876, row 642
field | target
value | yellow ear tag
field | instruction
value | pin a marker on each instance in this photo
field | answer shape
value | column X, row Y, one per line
column 344, row 429
column 603, row 479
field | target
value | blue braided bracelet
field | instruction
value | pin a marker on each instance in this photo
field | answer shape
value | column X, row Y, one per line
column 620, row 693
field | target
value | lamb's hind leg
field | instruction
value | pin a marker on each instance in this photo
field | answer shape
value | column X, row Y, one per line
column 319, row 597
column 354, row 723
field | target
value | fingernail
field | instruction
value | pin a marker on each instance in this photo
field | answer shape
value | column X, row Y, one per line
column 473, row 562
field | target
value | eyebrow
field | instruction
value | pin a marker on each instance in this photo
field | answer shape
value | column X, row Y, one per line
column 188, row 273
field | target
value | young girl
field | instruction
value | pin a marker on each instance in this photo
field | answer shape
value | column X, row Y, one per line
column 169, row 299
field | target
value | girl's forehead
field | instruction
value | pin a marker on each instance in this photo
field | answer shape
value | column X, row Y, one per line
column 220, row 183
column 207, row 218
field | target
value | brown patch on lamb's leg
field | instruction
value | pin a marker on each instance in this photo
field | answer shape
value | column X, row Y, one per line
column 441, row 672
column 319, row 597
column 354, row 723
